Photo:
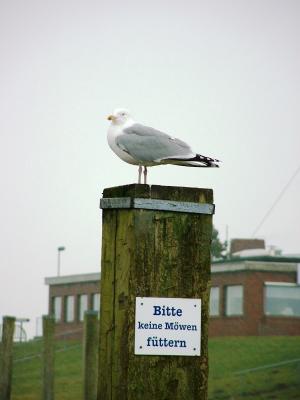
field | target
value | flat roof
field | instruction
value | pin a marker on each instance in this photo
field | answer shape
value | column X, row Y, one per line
column 65, row 279
column 252, row 263
column 247, row 265
column 285, row 259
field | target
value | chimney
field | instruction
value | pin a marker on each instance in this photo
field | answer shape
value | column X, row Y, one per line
column 246, row 244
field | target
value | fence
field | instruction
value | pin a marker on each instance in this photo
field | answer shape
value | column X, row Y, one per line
column 241, row 368
column 30, row 369
column 272, row 381
column 255, row 367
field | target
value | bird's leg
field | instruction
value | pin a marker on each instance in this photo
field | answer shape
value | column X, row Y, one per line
column 140, row 174
column 145, row 175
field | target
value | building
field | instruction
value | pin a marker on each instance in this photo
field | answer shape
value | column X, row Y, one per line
column 69, row 298
column 237, row 245
column 255, row 296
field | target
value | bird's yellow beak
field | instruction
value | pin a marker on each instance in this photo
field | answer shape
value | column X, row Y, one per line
column 111, row 117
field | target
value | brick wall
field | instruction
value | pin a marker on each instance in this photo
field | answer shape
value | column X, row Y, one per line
column 253, row 321
column 71, row 330
column 246, row 244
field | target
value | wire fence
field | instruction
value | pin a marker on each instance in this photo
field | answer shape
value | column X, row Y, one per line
column 241, row 368
column 266, row 382
column 26, row 366
column 62, row 343
column 255, row 368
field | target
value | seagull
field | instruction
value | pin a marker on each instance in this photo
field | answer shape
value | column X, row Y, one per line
column 144, row 146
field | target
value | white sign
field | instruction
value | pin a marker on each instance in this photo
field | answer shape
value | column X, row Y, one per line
column 167, row 326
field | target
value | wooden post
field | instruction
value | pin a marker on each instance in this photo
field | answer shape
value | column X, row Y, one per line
column 150, row 251
column 6, row 357
column 90, row 355
column 48, row 357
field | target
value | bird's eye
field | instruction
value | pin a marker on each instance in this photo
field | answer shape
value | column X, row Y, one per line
column 123, row 114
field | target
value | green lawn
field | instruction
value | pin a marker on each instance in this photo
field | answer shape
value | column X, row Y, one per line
column 27, row 371
column 227, row 357
column 231, row 355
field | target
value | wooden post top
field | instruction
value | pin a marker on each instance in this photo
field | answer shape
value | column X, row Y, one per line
column 173, row 193
column 160, row 198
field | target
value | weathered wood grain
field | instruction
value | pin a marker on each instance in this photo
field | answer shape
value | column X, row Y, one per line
column 90, row 355
column 48, row 357
column 107, row 304
column 152, row 253
column 6, row 357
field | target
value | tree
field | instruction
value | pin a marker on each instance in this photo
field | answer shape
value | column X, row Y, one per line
column 218, row 248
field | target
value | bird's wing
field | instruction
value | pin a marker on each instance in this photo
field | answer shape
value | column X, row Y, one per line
column 144, row 143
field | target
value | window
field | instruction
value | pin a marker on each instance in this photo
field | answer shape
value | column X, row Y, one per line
column 83, row 305
column 282, row 299
column 214, row 301
column 56, row 308
column 69, row 308
column 96, row 301
column 234, row 300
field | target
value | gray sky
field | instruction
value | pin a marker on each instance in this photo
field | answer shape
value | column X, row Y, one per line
column 221, row 75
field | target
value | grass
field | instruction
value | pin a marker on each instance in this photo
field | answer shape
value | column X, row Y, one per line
column 227, row 356
column 27, row 373
column 231, row 355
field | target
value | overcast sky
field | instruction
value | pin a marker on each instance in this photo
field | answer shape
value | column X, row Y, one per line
column 221, row 75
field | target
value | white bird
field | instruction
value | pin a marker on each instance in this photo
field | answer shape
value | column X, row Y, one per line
column 144, row 146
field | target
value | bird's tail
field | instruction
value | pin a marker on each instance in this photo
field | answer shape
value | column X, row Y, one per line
column 197, row 161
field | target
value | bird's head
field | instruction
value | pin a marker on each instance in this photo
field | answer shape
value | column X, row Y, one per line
column 119, row 117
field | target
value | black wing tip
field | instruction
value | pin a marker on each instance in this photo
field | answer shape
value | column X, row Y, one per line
column 210, row 162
